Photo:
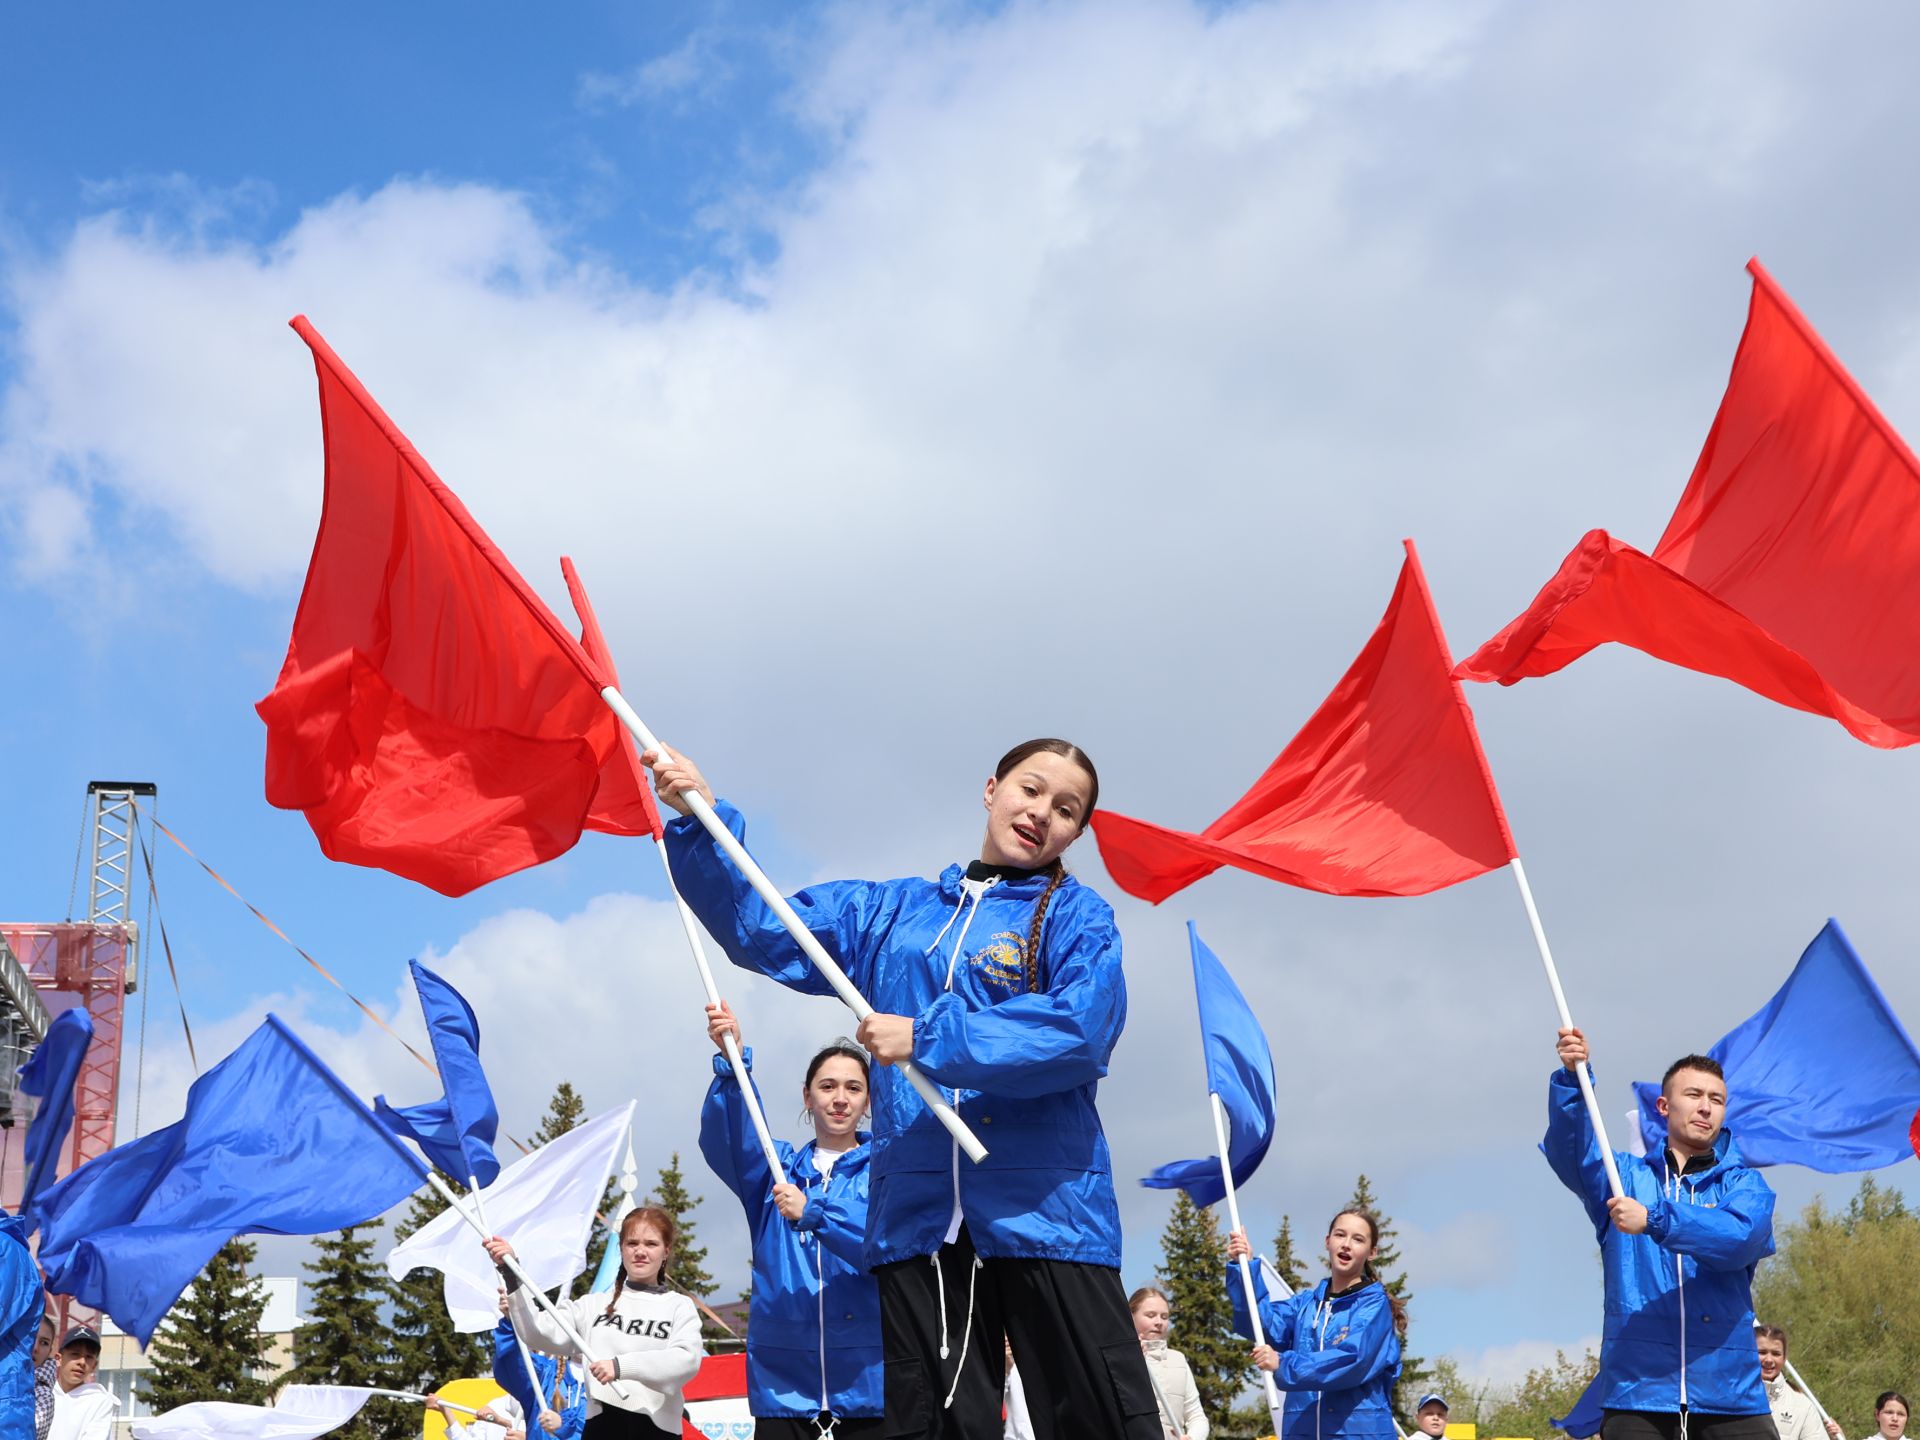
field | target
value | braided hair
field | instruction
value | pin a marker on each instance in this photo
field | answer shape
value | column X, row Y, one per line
column 661, row 1221
column 1066, row 750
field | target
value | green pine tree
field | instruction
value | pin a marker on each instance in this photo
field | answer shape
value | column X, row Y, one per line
column 428, row 1351
column 687, row 1266
column 1285, row 1259
column 1193, row 1266
column 210, row 1346
column 564, row 1111
column 1386, row 1265
column 346, row 1340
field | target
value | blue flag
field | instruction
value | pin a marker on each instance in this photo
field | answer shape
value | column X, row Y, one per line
column 456, row 1131
column 50, row 1075
column 273, row 1143
column 1583, row 1421
column 1239, row 1071
column 1823, row 1076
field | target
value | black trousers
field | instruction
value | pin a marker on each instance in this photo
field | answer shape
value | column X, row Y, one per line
column 1655, row 1425
column 784, row 1427
column 1079, row 1358
column 613, row 1423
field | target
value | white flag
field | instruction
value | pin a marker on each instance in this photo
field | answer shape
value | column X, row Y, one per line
column 1276, row 1287
column 300, row 1413
column 543, row 1203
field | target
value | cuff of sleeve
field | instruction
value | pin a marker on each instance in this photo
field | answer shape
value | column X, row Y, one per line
column 1659, row 1221
column 812, row 1216
column 929, row 1029
column 724, row 1067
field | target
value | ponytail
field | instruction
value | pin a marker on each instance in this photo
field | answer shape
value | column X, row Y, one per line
column 1059, row 874
column 1394, row 1302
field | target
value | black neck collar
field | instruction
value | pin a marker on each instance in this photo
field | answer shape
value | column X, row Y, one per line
column 981, row 870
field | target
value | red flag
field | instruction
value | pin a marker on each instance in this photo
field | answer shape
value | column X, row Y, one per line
column 1792, row 565
column 624, row 805
column 433, row 718
column 1384, row 792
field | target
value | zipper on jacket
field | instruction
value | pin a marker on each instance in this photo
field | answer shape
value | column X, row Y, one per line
column 820, row 1275
column 1676, row 1185
column 968, row 891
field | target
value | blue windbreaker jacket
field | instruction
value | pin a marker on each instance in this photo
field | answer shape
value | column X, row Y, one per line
column 21, row 1304
column 510, row 1373
column 1021, row 1068
column 813, row 1325
column 1339, row 1356
column 1679, row 1321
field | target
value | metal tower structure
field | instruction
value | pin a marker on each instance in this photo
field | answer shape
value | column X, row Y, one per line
column 48, row 969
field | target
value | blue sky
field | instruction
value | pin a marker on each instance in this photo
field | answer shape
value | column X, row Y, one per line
column 911, row 379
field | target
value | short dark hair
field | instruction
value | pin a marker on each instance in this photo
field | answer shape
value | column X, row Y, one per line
column 1693, row 1062
column 1771, row 1332
column 1886, row 1395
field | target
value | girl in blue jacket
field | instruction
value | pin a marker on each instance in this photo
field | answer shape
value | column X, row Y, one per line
column 813, row 1329
column 1335, row 1349
column 1001, row 981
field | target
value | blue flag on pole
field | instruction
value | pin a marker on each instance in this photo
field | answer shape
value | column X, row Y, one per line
column 1583, row 1421
column 50, row 1075
column 273, row 1143
column 456, row 1131
column 1239, row 1071
column 1823, row 1076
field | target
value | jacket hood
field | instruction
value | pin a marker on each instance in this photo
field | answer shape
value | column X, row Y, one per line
column 802, row 1171
column 1726, row 1154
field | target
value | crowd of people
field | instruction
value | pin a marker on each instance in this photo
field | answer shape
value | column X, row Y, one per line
column 899, row 1291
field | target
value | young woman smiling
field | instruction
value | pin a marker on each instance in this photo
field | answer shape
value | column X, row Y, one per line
column 644, row 1342
column 1335, row 1349
column 1001, row 981
column 813, row 1329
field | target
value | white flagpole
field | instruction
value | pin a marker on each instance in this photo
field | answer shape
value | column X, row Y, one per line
column 814, row 951
column 415, row 1395
column 1582, row 1072
column 1246, row 1270
column 1807, row 1390
column 526, row 1359
column 690, row 924
column 511, row 1263
column 1166, row 1410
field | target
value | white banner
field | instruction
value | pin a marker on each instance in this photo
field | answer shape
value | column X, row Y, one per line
column 543, row 1204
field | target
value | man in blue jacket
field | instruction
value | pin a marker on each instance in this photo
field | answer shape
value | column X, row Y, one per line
column 1678, row 1251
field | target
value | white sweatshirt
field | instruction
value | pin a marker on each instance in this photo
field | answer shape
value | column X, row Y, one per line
column 653, row 1335
column 85, row 1412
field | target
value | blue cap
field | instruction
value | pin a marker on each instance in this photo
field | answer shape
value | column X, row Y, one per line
column 1426, row 1400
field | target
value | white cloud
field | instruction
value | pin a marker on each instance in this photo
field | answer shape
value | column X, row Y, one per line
column 693, row 70
column 1102, row 364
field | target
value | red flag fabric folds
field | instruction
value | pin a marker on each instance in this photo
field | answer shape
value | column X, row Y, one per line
column 1384, row 792
column 624, row 805
column 433, row 718
column 1792, row 565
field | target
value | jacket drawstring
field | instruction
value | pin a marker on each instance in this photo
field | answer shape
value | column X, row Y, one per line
column 940, row 1293
column 971, row 893
column 966, row 1335
column 970, row 890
